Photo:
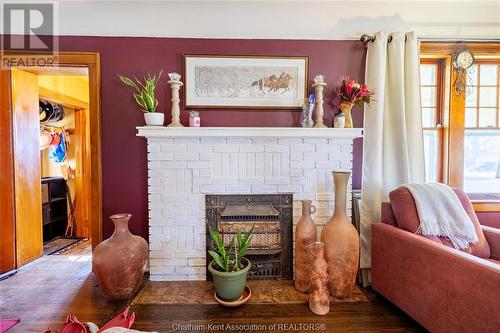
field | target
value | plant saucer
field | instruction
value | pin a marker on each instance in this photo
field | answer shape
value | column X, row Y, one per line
column 245, row 296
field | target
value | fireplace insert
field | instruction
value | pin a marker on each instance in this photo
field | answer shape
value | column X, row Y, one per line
column 270, row 216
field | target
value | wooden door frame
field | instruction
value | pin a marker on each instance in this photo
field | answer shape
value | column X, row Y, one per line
column 91, row 60
column 7, row 222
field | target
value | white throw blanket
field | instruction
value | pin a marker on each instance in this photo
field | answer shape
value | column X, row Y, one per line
column 441, row 214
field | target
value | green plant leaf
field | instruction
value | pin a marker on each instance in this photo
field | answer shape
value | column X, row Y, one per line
column 217, row 258
column 149, row 101
column 140, row 101
column 216, row 237
column 229, row 255
column 128, row 81
column 243, row 243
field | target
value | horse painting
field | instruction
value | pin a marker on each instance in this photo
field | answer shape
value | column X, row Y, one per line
column 274, row 83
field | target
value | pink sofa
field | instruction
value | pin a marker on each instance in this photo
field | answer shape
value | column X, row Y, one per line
column 444, row 289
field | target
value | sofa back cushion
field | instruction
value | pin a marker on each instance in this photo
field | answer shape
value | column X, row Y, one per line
column 405, row 211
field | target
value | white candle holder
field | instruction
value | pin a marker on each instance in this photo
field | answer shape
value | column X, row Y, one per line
column 318, row 88
column 175, row 85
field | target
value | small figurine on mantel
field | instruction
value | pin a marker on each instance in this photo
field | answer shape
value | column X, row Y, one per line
column 319, row 85
column 175, row 84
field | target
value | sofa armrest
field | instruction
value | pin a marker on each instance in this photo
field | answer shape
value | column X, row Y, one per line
column 493, row 237
column 444, row 289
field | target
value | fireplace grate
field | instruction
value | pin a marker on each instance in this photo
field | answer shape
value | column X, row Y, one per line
column 270, row 216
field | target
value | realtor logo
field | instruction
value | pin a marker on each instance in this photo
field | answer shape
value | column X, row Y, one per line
column 28, row 26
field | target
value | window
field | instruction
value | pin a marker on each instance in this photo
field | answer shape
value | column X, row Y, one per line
column 462, row 134
column 430, row 86
column 482, row 129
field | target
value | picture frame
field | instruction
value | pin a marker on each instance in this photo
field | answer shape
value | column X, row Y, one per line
column 245, row 82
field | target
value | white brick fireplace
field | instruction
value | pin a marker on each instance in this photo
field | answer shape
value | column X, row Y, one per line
column 184, row 164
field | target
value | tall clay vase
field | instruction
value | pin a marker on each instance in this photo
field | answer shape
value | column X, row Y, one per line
column 341, row 242
column 120, row 261
column 319, row 296
column 346, row 110
column 305, row 237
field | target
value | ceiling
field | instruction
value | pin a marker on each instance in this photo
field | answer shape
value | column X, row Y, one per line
column 279, row 19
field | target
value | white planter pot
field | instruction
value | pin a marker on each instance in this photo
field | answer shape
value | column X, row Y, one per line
column 154, row 118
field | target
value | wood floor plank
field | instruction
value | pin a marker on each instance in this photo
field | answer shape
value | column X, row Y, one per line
column 43, row 292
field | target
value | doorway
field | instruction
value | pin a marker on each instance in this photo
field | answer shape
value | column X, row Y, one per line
column 51, row 178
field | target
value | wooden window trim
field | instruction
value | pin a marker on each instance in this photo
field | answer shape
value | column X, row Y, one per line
column 453, row 121
column 439, row 119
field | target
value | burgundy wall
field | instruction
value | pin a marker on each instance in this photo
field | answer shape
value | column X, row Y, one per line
column 124, row 155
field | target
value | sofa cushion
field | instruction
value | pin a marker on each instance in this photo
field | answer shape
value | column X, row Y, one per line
column 405, row 210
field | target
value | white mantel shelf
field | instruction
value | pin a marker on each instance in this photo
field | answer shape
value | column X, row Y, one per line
column 241, row 132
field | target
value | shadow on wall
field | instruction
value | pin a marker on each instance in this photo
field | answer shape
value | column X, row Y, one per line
column 357, row 26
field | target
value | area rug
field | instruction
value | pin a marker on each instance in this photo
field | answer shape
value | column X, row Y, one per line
column 59, row 244
column 6, row 324
column 202, row 292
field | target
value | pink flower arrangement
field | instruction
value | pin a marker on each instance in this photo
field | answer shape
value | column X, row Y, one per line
column 353, row 93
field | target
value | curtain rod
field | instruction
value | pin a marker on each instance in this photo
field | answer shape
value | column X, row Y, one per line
column 368, row 38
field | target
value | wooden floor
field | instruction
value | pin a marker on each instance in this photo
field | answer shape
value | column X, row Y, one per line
column 43, row 292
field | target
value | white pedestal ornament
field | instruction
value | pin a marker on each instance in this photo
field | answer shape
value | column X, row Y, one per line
column 318, row 86
column 175, row 85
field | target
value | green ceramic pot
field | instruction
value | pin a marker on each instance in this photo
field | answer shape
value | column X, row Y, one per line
column 229, row 285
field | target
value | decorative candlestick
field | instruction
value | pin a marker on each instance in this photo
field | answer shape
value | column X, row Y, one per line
column 319, row 85
column 175, row 84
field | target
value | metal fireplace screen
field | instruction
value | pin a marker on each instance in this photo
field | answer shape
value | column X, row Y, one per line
column 270, row 216
column 263, row 218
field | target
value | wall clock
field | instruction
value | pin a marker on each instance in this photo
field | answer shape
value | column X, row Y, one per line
column 462, row 61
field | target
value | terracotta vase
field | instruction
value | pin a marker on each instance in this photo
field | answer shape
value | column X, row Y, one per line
column 346, row 110
column 305, row 237
column 319, row 296
column 341, row 242
column 119, row 262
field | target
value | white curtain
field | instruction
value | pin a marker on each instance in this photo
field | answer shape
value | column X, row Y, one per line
column 393, row 149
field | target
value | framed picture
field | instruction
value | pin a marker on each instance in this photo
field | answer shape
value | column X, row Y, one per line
column 245, row 82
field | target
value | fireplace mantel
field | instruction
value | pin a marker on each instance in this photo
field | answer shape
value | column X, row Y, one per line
column 186, row 164
column 242, row 132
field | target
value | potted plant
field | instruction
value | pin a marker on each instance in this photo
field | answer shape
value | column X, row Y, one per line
column 229, row 266
column 144, row 95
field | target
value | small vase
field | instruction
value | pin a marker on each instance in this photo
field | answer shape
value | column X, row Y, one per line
column 341, row 242
column 346, row 110
column 154, row 118
column 319, row 296
column 305, row 237
column 119, row 262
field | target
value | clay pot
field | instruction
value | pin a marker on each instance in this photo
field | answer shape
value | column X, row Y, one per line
column 120, row 261
column 305, row 237
column 346, row 110
column 341, row 242
column 319, row 296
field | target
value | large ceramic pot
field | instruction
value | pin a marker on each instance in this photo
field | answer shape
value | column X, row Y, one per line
column 341, row 242
column 120, row 261
column 305, row 237
column 229, row 285
column 154, row 118
column 319, row 295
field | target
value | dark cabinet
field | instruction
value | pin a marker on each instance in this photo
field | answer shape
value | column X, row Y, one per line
column 54, row 207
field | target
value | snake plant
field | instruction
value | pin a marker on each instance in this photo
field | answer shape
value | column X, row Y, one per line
column 230, row 259
column 145, row 90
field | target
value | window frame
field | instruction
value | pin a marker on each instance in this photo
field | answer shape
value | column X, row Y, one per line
column 453, row 112
column 439, row 118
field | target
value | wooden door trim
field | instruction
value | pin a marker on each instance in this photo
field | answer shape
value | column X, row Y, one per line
column 7, row 200
column 91, row 60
